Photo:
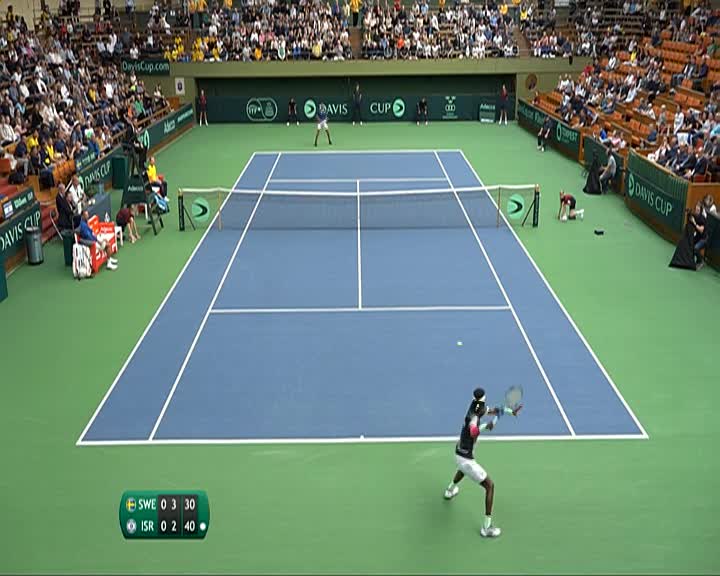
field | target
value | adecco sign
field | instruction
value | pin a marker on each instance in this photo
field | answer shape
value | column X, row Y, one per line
column 157, row 133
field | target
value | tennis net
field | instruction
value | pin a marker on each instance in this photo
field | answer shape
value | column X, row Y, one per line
column 480, row 207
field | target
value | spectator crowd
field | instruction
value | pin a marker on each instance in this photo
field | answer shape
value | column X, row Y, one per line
column 632, row 84
column 463, row 30
column 61, row 97
column 269, row 30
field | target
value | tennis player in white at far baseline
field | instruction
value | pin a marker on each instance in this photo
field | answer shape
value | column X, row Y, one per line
column 322, row 123
column 465, row 461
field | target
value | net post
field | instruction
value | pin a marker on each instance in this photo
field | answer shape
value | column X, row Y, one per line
column 536, row 206
column 181, row 209
column 497, row 215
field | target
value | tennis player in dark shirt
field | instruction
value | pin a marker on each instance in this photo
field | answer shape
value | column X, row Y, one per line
column 292, row 112
column 422, row 111
column 465, row 461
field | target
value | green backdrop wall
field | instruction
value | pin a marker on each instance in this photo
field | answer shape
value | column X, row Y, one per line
column 528, row 75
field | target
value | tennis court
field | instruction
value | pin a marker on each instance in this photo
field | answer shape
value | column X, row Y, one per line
column 356, row 297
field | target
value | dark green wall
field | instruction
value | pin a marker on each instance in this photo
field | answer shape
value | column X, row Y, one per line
column 370, row 86
column 377, row 77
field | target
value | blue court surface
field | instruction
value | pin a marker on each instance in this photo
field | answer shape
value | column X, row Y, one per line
column 348, row 316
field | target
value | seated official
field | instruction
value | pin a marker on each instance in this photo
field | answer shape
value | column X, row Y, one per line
column 86, row 233
column 132, row 137
column 67, row 218
column 698, row 223
column 422, row 111
column 126, row 221
column 78, row 194
column 157, row 181
column 609, row 169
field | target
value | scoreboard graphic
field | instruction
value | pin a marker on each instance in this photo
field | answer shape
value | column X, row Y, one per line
column 146, row 514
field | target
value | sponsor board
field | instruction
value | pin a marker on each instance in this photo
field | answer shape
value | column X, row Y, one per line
column 146, row 67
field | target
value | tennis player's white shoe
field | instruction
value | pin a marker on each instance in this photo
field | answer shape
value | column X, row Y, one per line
column 451, row 492
column 490, row 532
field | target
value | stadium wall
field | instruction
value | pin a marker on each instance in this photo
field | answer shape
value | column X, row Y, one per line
column 378, row 79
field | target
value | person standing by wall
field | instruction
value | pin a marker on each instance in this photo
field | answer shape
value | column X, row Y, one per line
column 292, row 112
column 544, row 133
column 357, row 103
column 422, row 111
column 503, row 105
column 202, row 107
column 355, row 9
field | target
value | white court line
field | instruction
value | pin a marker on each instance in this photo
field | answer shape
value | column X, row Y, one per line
column 507, row 299
column 367, row 194
column 231, row 311
column 160, row 308
column 212, row 303
column 346, row 194
column 351, row 180
column 356, row 440
column 314, row 152
column 560, row 304
column 359, row 251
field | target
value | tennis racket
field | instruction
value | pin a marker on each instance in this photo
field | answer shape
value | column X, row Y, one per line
column 513, row 399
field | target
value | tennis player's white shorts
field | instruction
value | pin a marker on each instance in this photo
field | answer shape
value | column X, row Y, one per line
column 322, row 125
column 471, row 469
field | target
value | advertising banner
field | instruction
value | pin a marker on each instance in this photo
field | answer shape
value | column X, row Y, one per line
column 658, row 194
column 12, row 230
column 373, row 108
column 562, row 137
column 146, row 67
